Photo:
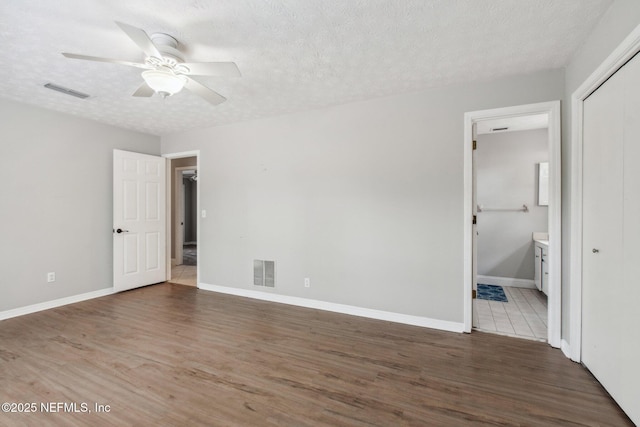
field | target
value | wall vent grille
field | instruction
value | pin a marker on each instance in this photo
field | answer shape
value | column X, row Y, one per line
column 66, row 91
column 264, row 273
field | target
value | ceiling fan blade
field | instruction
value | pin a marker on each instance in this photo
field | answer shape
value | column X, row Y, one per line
column 144, row 91
column 201, row 90
column 222, row 69
column 140, row 38
column 112, row 61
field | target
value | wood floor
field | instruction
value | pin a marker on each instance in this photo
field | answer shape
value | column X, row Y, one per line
column 175, row 355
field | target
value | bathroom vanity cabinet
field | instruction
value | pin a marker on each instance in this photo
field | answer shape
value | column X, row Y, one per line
column 541, row 274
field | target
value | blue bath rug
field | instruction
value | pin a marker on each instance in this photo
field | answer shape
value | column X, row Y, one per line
column 491, row 293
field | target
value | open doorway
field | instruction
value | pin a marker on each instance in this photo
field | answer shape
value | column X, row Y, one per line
column 512, row 203
column 187, row 208
column 499, row 211
column 184, row 222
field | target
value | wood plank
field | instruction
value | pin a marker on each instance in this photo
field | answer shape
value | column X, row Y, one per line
column 176, row 355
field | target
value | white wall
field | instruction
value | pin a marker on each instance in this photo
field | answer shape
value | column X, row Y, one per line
column 621, row 18
column 506, row 165
column 365, row 199
column 56, row 204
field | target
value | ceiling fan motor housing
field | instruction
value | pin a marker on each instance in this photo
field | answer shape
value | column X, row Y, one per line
column 168, row 47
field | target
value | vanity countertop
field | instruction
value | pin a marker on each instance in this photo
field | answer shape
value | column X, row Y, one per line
column 541, row 238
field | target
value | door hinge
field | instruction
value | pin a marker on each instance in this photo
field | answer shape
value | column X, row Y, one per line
column 473, row 294
column 475, row 144
column 475, row 220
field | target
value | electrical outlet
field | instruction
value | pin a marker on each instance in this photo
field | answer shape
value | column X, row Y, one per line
column 307, row 282
column 51, row 277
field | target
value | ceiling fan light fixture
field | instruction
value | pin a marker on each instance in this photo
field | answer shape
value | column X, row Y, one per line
column 164, row 82
column 166, row 72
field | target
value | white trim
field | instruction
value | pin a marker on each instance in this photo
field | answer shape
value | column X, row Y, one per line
column 507, row 281
column 555, row 214
column 388, row 316
column 566, row 349
column 167, row 216
column 623, row 53
column 21, row 311
column 467, row 227
column 180, row 155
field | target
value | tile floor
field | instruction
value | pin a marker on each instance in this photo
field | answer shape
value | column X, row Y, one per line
column 184, row 275
column 524, row 316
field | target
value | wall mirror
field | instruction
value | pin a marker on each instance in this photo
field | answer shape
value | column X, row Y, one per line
column 543, row 184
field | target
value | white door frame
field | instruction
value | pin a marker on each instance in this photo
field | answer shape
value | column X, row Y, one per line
column 180, row 155
column 629, row 47
column 555, row 218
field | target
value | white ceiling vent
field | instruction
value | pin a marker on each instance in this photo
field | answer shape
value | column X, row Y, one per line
column 264, row 273
column 66, row 91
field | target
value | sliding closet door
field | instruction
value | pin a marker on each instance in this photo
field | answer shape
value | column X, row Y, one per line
column 611, row 236
column 630, row 289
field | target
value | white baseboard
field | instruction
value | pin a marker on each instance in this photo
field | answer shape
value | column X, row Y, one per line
column 339, row 308
column 569, row 351
column 566, row 348
column 21, row 311
column 507, row 281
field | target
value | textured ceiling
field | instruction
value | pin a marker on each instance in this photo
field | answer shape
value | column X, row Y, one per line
column 294, row 55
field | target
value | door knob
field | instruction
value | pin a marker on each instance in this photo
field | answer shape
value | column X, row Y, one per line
column 120, row 230
column 595, row 251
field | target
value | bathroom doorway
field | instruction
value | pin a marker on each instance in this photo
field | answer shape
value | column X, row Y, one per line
column 517, row 267
column 511, row 176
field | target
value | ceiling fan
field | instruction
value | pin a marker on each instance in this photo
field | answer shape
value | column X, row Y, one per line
column 166, row 72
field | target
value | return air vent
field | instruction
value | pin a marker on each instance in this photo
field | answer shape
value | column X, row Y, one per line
column 66, row 91
column 264, row 273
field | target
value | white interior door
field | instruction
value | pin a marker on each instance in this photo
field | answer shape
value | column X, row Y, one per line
column 630, row 285
column 139, row 214
column 610, row 256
